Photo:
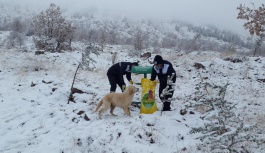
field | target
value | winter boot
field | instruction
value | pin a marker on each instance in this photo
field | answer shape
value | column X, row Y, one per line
column 166, row 106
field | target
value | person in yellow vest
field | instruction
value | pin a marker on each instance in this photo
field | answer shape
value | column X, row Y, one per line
column 162, row 69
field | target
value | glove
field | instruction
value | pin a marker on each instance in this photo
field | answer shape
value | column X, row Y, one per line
column 131, row 82
column 123, row 88
column 156, row 81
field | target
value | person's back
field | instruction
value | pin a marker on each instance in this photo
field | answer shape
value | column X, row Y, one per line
column 115, row 74
column 113, row 69
column 119, row 68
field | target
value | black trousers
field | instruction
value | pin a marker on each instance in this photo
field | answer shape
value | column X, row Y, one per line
column 114, row 81
column 162, row 86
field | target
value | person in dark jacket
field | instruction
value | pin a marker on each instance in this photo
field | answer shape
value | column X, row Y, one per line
column 116, row 72
column 163, row 69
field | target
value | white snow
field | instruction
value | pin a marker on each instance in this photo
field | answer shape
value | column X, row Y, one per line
column 35, row 116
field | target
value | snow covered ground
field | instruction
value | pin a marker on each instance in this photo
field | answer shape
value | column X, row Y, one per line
column 35, row 116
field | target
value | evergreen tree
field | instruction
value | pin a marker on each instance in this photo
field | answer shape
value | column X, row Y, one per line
column 52, row 31
column 87, row 60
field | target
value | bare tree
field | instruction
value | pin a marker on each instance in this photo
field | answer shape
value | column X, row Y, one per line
column 195, row 43
column 258, row 44
column 113, row 36
column 255, row 23
column 103, row 36
column 91, row 35
column 114, row 57
column 17, row 25
column 16, row 36
column 138, row 39
column 169, row 40
column 255, row 19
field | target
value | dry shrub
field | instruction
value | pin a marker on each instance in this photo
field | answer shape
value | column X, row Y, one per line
column 200, row 109
column 170, row 56
column 260, row 120
column 203, row 58
column 157, row 50
column 40, row 66
column 32, row 64
column 193, row 56
column 225, row 54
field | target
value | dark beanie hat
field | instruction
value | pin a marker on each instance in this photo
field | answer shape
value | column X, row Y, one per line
column 158, row 60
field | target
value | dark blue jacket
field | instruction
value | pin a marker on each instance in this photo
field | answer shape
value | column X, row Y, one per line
column 164, row 72
column 120, row 69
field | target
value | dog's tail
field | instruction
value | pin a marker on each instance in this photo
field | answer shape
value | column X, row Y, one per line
column 98, row 106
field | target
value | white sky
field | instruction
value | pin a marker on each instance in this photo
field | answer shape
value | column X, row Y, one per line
column 221, row 13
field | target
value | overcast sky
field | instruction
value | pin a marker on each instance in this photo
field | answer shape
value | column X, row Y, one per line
column 221, row 13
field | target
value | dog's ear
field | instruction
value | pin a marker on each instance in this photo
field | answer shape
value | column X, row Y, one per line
column 131, row 90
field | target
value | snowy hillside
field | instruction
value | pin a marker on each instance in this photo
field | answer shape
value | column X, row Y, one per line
column 35, row 116
column 98, row 27
column 218, row 103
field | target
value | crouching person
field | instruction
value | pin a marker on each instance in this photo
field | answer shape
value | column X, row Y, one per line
column 115, row 75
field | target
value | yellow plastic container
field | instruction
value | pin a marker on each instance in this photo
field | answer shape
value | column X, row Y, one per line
column 148, row 103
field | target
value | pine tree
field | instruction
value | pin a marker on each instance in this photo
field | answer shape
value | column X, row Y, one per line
column 52, row 31
column 87, row 60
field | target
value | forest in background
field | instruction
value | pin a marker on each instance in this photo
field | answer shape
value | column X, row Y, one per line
column 89, row 26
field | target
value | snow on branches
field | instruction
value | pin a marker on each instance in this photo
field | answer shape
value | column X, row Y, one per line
column 91, row 48
column 222, row 129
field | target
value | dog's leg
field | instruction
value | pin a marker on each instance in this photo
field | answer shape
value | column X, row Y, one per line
column 112, row 107
column 103, row 109
column 127, row 111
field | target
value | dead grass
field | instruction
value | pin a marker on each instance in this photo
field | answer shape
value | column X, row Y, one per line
column 260, row 120
column 225, row 54
column 199, row 57
column 200, row 109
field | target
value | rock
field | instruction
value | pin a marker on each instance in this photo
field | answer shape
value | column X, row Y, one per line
column 39, row 52
column 183, row 111
column 199, row 66
column 146, row 55
column 80, row 112
column 86, row 118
